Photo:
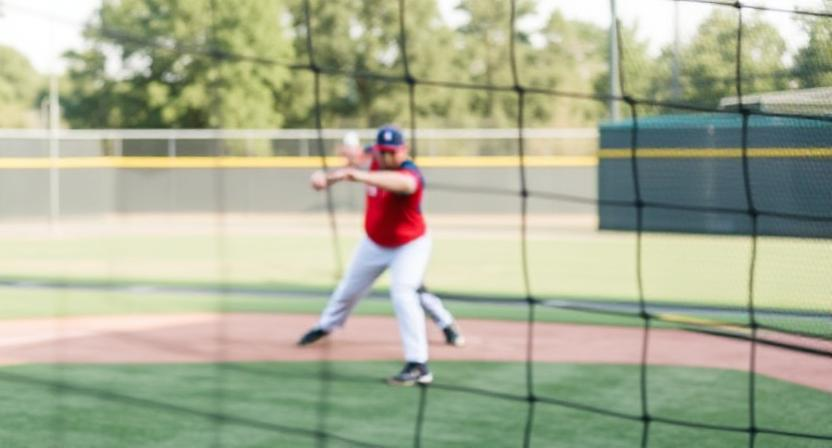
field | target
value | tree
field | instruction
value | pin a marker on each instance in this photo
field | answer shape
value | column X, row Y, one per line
column 813, row 63
column 484, row 57
column 637, row 68
column 19, row 84
column 363, row 36
column 708, row 63
column 166, row 76
column 573, row 53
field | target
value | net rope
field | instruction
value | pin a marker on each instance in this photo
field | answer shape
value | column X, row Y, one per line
column 321, row 433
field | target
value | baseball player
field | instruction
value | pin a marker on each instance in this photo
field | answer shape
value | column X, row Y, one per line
column 397, row 239
column 361, row 158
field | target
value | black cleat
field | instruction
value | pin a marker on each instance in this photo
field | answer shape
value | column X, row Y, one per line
column 312, row 336
column 453, row 336
column 413, row 373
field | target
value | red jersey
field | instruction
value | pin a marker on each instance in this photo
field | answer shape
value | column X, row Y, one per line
column 394, row 219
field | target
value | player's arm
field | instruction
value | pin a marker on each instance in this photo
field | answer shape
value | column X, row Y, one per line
column 393, row 181
column 321, row 180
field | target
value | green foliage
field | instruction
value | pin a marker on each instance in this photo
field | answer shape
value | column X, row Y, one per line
column 637, row 69
column 763, row 52
column 153, row 85
column 148, row 64
column 18, row 80
column 577, row 50
column 485, row 57
column 363, row 37
column 19, row 84
column 813, row 63
column 156, row 87
column 708, row 63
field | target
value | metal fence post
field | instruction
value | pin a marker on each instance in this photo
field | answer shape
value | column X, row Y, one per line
column 171, row 147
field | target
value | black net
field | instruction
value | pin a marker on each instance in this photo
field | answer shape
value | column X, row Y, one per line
column 678, row 162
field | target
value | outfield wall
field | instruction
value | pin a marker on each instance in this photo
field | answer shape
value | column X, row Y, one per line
column 695, row 164
column 25, row 192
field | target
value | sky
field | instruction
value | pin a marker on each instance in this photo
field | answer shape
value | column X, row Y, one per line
column 44, row 29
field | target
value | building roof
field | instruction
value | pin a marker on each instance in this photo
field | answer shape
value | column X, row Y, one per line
column 817, row 101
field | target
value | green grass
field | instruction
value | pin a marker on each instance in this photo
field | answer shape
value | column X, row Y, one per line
column 790, row 273
column 36, row 303
column 277, row 404
column 686, row 269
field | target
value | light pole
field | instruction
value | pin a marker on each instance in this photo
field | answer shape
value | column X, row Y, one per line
column 676, row 87
column 54, row 148
column 615, row 87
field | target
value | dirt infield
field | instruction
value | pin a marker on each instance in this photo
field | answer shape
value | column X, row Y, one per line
column 196, row 338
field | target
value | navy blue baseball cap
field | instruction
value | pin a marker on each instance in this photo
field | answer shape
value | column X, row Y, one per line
column 389, row 138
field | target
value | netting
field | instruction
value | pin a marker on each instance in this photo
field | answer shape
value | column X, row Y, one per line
column 649, row 193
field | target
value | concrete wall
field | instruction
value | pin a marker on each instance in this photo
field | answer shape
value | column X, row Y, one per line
column 25, row 193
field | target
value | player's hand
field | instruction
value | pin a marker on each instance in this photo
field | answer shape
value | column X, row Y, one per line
column 319, row 180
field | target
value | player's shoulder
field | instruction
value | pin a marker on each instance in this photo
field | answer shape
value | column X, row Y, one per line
column 409, row 165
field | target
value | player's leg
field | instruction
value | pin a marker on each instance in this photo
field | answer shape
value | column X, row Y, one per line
column 433, row 308
column 441, row 316
column 368, row 262
column 406, row 272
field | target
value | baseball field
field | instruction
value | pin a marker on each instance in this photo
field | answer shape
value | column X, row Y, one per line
column 627, row 209
column 180, row 332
